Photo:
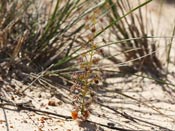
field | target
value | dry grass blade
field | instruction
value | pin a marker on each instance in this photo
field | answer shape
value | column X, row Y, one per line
column 131, row 27
column 20, row 42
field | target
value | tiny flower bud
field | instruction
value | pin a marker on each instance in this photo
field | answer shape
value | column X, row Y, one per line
column 93, row 30
column 74, row 115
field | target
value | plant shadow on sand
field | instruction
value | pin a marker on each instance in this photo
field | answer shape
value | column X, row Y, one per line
column 87, row 126
column 170, row 1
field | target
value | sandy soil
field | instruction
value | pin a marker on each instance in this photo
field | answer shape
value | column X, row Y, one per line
column 145, row 106
column 125, row 103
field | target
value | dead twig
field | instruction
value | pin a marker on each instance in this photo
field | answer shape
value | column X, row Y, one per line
column 27, row 106
column 5, row 116
column 134, row 119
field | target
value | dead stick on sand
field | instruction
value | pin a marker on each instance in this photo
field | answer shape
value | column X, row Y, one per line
column 25, row 106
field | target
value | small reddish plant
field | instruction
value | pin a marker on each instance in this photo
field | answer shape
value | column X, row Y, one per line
column 83, row 94
column 84, row 82
column 82, row 89
column 86, row 78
